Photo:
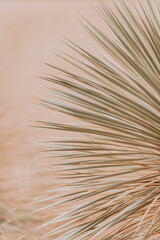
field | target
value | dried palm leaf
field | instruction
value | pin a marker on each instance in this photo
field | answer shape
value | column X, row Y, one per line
column 110, row 177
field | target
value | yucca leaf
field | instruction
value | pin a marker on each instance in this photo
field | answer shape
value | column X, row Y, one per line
column 110, row 175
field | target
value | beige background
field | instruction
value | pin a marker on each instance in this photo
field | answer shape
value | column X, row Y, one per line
column 30, row 33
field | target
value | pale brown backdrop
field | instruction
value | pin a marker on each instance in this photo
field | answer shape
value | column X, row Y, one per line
column 30, row 33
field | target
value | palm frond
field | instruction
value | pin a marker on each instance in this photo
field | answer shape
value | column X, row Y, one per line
column 110, row 174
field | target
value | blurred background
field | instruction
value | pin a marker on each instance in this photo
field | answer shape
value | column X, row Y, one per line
column 30, row 33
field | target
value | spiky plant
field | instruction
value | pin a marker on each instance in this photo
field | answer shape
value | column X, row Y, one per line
column 5, row 135
column 5, row 213
column 12, row 224
column 111, row 176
